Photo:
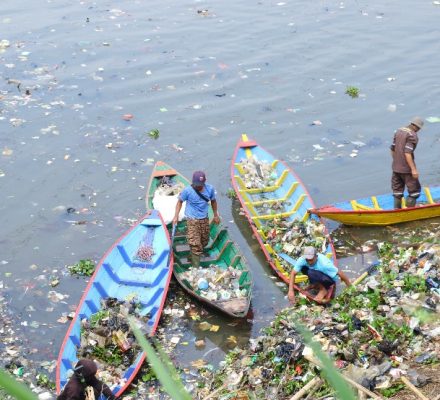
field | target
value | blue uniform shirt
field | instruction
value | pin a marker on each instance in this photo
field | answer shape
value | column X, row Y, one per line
column 196, row 207
column 322, row 263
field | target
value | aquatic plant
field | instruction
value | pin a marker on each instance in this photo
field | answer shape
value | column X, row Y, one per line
column 154, row 133
column 82, row 267
column 352, row 91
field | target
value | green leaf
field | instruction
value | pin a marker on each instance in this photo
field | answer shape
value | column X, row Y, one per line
column 14, row 388
column 162, row 367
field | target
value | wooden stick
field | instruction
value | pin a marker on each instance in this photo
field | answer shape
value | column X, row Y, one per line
column 351, row 382
column 314, row 389
column 361, row 395
column 215, row 392
column 306, row 388
column 419, row 394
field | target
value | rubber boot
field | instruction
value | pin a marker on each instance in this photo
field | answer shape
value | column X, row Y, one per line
column 411, row 201
column 397, row 202
column 195, row 260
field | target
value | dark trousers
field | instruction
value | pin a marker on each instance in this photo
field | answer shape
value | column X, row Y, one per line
column 399, row 181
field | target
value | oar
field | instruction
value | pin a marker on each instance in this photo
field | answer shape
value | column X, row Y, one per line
column 372, row 268
column 173, row 232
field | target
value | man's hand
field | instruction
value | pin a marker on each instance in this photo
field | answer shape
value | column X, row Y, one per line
column 291, row 296
column 216, row 219
column 415, row 173
column 175, row 220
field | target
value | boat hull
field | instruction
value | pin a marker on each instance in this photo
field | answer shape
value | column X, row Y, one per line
column 287, row 189
column 120, row 275
column 220, row 251
column 379, row 211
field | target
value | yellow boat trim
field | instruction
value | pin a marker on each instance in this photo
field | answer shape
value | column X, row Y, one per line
column 375, row 203
column 428, row 195
column 260, row 231
column 274, row 163
column 359, row 207
column 282, row 199
column 239, row 168
column 247, row 151
column 305, row 217
column 272, row 188
column 240, row 183
column 403, row 202
column 285, row 214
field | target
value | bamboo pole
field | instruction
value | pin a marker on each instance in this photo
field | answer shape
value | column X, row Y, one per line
column 305, row 389
column 410, row 386
column 350, row 381
column 314, row 389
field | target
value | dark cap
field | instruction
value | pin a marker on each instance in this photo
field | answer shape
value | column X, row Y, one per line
column 199, row 178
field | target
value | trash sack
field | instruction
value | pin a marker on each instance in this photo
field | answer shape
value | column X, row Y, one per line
column 166, row 205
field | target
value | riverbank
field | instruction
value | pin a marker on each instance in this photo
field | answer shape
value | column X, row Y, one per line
column 385, row 329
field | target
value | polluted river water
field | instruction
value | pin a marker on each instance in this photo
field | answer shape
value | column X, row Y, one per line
column 84, row 83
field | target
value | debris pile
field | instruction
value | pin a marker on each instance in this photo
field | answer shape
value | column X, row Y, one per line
column 107, row 338
column 216, row 283
column 381, row 334
column 257, row 174
column 145, row 253
column 290, row 237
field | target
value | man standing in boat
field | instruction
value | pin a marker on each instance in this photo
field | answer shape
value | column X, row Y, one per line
column 404, row 168
column 197, row 197
column 321, row 272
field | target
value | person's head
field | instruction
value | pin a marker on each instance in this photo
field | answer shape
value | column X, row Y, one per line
column 85, row 370
column 199, row 179
column 310, row 254
column 416, row 124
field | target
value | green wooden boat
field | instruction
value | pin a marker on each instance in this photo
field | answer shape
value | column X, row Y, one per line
column 220, row 255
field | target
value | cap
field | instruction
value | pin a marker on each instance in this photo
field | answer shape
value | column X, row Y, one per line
column 199, row 178
column 309, row 252
column 417, row 121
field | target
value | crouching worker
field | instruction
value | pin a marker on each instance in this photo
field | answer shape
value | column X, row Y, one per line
column 84, row 382
column 321, row 272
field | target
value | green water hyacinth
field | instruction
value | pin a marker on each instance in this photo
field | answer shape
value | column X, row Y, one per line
column 352, row 91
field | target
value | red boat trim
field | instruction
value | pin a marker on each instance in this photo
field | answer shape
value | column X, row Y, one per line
column 249, row 143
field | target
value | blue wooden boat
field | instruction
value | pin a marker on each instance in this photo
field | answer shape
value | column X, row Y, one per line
column 379, row 210
column 121, row 275
column 286, row 192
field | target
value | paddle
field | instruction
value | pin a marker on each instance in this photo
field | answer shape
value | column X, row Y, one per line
column 372, row 268
column 173, row 232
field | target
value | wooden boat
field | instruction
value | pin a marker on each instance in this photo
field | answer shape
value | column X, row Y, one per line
column 286, row 191
column 220, row 251
column 119, row 274
column 379, row 210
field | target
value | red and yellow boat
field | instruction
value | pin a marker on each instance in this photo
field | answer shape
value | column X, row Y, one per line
column 379, row 210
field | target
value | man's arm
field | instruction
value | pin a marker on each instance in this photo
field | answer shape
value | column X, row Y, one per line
column 176, row 214
column 214, row 209
column 344, row 278
column 291, row 292
column 412, row 165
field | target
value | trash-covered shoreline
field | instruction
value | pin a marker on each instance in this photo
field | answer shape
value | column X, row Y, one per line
column 385, row 329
